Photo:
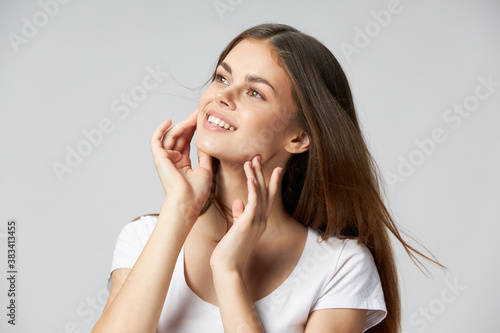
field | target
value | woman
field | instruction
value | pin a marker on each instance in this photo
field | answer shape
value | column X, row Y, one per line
column 282, row 227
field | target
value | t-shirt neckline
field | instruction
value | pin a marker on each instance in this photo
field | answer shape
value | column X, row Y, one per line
column 212, row 307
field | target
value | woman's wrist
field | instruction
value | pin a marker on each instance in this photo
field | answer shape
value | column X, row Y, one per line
column 226, row 280
column 179, row 212
column 222, row 274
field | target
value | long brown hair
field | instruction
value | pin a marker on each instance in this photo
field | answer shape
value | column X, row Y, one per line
column 334, row 187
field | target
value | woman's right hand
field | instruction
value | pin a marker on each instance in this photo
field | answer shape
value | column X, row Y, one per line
column 187, row 189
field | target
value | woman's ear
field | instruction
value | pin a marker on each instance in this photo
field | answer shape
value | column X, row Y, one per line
column 298, row 143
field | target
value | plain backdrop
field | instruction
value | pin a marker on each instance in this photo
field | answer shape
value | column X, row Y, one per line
column 419, row 71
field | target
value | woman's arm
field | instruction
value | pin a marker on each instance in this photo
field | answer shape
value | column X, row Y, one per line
column 137, row 305
column 227, row 260
column 236, row 307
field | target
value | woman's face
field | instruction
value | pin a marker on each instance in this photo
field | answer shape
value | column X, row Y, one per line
column 252, row 96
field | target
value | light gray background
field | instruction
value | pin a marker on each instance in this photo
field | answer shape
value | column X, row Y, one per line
column 65, row 79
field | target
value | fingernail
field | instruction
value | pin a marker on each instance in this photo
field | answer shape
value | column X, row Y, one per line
column 259, row 158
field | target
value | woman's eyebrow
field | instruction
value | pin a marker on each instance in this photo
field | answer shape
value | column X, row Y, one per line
column 226, row 67
column 256, row 79
column 250, row 78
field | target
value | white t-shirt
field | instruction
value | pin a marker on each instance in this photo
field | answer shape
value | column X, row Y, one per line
column 329, row 274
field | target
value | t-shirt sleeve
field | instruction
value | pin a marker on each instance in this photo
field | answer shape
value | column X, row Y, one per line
column 355, row 284
column 130, row 243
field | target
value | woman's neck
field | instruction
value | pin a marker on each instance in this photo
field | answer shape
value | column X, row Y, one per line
column 231, row 184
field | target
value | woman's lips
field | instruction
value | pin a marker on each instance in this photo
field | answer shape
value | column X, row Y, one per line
column 213, row 127
column 216, row 121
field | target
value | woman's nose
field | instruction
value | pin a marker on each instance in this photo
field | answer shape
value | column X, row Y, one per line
column 225, row 99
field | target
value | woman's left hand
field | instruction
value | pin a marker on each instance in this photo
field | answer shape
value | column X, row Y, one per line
column 250, row 221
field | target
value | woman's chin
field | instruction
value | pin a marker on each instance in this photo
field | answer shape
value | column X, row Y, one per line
column 223, row 151
column 204, row 146
column 224, row 156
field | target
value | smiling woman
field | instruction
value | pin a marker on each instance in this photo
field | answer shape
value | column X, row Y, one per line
column 249, row 90
column 282, row 227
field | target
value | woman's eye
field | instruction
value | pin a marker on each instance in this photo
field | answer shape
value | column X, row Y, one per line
column 255, row 93
column 220, row 79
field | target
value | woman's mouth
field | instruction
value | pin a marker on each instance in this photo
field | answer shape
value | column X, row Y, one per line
column 212, row 120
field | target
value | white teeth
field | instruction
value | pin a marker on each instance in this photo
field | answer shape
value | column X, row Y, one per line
column 221, row 123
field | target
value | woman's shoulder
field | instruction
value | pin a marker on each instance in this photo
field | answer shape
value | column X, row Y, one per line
column 351, row 270
column 352, row 280
column 341, row 251
column 140, row 228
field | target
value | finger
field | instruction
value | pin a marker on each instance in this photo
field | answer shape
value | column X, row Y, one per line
column 189, row 133
column 238, row 208
column 205, row 160
column 166, row 168
column 253, row 195
column 185, row 127
column 261, row 181
column 156, row 142
column 176, row 137
column 194, row 114
column 183, row 142
column 174, row 155
column 273, row 189
column 161, row 129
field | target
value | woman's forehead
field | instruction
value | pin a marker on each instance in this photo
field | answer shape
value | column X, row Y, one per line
column 254, row 55
column 258, row 58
